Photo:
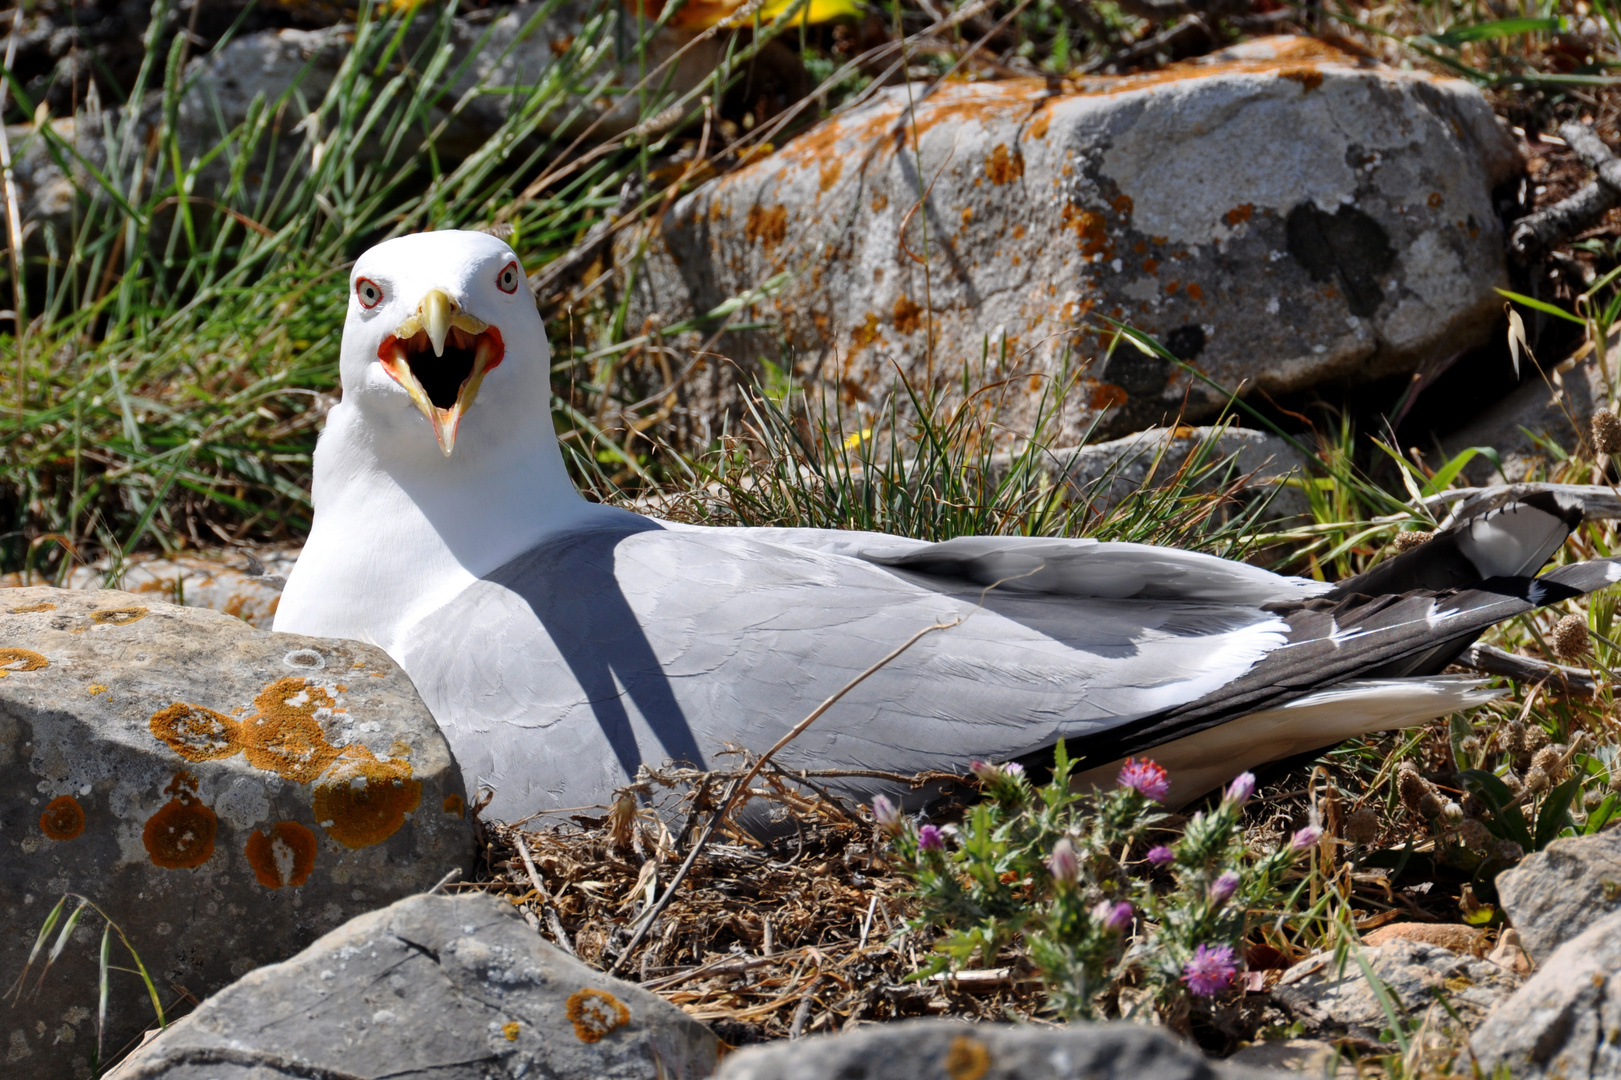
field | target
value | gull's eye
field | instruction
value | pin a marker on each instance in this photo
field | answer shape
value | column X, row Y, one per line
column 507, row 280
column 368, row 292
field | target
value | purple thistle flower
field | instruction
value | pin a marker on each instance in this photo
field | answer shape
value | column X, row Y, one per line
column 886, row 814
column 930, row 838
column 1211, row 970
column 1160, row 855
column 1224, row 886
column 1242, row 787
column 1147, row 778
column 1306, row 837
column 1116, row 917
column 1013, row 769
column 1062, row 863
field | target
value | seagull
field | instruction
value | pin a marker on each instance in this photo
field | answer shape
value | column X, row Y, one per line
column 562, row 644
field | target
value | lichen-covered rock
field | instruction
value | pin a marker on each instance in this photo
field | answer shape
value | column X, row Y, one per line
column 930, row 1049
column 237, row 581
column 1281, row 214
column 1565, row 1022
column 224, row 794
column 431, row 987
column 1330, row 999
column 1555, row 894
column 1107, row 472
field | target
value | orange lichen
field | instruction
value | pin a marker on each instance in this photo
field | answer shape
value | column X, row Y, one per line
column 20, row 660
column 1309, row 78
column 33, row 609
column 1150, row 266
column 1004, row 166
column 63, row 818
column 1122, row 205
column 362, row 800
column 595, row 1013
column 767, row 226
column 1089, row 228
column 829, row 174
column 283, row 857
column 1435, row 200
column 118, row 616
column 1107, row 395
column 879, row 201
column 865, row 334
column 1038, row 130
column 454, row 804
column 510, row 1030
column 1240, row 214
column 967, row 1058
column 181, row 834
column 284, row 737
column 967, row 215
column 1195, row 292
column 196, row 733
column 907, row 316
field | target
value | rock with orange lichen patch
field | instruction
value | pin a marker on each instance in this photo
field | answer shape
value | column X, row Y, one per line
column 225, row 794
column 952, row 1050
column 434, row 988
column 1280, row 214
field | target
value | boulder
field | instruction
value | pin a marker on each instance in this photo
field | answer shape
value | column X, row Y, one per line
column 489, row 52
column 1556, row 410
column 1454, row 937
column 430, row 987
column 1565, row 1021
column 1327, row 998
column 1281, row 214
column 1555, row 894
column 1107, row 472
column 224, row 795
column 243, row 582
column 931, row 1049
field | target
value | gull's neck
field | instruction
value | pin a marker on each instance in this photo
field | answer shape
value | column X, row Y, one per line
column 397, row 535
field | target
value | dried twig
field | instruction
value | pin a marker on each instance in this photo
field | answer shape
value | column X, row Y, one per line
column 1527, row 669
column 658, row 906
column 1534, row 234
column 553, row 922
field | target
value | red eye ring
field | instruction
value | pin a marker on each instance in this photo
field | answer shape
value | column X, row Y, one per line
column 501, row 278
column 376, row 294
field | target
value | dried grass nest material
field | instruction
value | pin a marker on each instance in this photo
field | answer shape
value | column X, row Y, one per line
column 763, row 939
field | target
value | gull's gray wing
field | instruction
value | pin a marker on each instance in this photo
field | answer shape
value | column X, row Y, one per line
column 629, row 643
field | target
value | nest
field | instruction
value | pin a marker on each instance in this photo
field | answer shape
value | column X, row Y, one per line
column 808, row 930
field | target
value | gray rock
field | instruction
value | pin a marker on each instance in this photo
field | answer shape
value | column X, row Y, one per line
column 241, row 582
column 931, row 1049
column 1557, row 410
column 519, row 47
column 432, row 986
column 1109, row 471
column 1282, row 214
column 1416, row 973
column 1313, row 1057
column 1555, row 894
column 224, row 794
column 1565, row 1021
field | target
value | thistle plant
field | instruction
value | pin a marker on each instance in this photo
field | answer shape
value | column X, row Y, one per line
column 1071, row 883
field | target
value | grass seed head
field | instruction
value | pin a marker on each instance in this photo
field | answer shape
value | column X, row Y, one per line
column 1407, row 541
column 1606, row 431
column 1550, row 760
column 1570, row 639
column 1362, row 826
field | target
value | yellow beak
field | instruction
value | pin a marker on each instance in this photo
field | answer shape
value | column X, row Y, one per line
column 444, row 387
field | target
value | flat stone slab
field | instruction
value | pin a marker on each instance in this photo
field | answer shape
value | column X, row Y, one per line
column 430, row 988
column 932, row 1049
column 1282, row 214
column 1555, row 894
column 224, row 794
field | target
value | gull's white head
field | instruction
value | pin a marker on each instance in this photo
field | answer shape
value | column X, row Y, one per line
column 434, row 319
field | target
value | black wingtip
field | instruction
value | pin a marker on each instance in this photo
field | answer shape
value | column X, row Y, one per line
column 1539, row 592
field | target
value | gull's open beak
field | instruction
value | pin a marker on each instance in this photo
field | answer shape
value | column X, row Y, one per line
column 440, row 354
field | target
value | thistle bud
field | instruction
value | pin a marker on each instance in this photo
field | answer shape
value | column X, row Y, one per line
column 930, row 838
column 1570, row 639
column 1512, row 737
column 1114, row 918
column 1451, row 813
column 887, row 815
column 1223, row 887
column 1593, row 799
column 1242, row 787
column 1062, row 864
column 1606, row 431
column 1470, row 745
column 1306, row 837
column 1160, row 855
